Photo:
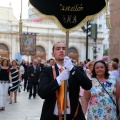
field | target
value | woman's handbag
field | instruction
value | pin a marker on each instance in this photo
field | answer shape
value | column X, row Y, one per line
column 117, row 108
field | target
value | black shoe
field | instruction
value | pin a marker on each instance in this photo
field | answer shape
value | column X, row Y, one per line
column 29, row 97
column 10, row 102
column 3, row 108
column 34, row 96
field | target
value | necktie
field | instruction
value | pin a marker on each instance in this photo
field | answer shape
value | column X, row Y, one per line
column 61, row 93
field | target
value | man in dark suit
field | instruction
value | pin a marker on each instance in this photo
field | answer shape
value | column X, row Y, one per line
column 75, row 77
column 33, row 73
column 25, row 75
column 40, row 67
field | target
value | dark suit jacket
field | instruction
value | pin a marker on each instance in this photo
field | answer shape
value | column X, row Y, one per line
column 26, row 70
column 35, row 72
column 48, row 86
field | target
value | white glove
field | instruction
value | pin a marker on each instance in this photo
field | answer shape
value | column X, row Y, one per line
column 22, row 83
column 10, row 84
column 64, row 75
column 68, row 63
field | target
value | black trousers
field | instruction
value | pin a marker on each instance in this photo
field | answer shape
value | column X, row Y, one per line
column 79, row 116
column 68, row 117
column 32, row 89
column 25, row 82
column 54, row 117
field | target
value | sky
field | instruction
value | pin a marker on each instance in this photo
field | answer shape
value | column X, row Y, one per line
column 16, row 5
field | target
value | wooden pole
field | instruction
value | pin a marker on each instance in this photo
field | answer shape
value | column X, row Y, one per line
column 65, row 94
column 20, row 21
column 87, row 41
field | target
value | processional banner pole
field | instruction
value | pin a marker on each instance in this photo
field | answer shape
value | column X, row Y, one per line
column 20, row 21
column 65, row 87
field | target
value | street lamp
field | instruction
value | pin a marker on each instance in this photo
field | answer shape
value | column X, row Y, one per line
column 94, row 37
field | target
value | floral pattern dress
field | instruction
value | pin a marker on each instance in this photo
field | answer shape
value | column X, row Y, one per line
column 100, row 106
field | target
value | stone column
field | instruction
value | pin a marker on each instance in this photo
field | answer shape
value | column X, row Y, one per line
column 114, row 39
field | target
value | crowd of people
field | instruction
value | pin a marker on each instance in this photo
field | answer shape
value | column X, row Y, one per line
column 13, row 75
column 92, row 86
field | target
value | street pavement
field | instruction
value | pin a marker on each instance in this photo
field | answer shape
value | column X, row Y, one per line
column 24, row 109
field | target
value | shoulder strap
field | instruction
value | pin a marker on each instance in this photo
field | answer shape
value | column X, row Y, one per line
column 107, row 92
column 58, row 102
